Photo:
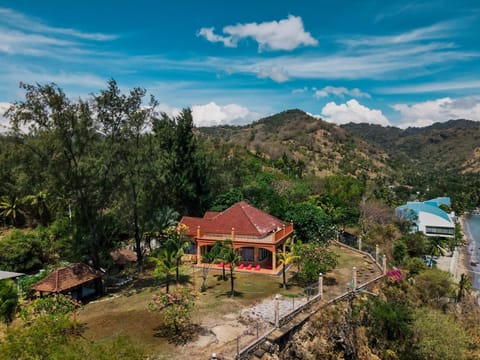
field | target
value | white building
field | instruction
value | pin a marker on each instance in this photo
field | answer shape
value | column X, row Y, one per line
column 428, row 217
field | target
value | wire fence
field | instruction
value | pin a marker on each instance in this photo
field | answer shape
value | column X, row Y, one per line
column 263, row 319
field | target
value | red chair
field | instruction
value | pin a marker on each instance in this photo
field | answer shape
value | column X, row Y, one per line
column 227, row 266
column 220, row 264
column 249, row 267
column 258, row 267
column 241, row 266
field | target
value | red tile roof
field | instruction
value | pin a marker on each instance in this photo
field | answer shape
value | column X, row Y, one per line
column 66, row 278
column 244, row 218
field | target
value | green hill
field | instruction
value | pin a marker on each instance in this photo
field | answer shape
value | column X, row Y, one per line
column 323, row 147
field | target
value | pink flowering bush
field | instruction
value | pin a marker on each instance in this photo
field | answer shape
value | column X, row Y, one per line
column 57, row 304
column 175, row 309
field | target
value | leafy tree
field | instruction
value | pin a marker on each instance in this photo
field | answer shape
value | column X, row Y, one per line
column 435, row 285
column 388, row 322
column 187, row 171
column 415, row 266
column 80, row 166
column 225, row 200
column 416, row 244
column 311, row 224
column 128, row 118
column 286, row 257
column 8, row 300
column 464, row 287
column 399, row 252
column 24, row 251
column 438, row 336
column 312, row 260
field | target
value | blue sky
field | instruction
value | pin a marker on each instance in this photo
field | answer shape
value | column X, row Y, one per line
column 394, row 63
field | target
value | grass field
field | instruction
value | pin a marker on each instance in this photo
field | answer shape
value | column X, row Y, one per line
column 126, row 312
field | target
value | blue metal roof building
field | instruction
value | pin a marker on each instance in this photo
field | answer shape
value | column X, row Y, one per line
column 428, row 217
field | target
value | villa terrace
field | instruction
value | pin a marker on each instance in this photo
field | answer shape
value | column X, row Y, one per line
column 257, row 234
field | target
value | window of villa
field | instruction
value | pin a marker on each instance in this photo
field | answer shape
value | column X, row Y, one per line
column 247, row 254
column 262, row 254
column 192, row 249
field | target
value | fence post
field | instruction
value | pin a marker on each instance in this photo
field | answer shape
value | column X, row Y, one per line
column 238, row 347
column 376, row 254
column 320, row 285
column 277, row 312
column 359, row 243
column 354, row 280
column 384, row 264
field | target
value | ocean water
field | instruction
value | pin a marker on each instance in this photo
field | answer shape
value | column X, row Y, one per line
column 472, row 230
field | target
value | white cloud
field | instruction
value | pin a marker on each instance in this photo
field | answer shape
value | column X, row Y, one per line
column 4, row 124
column 22, row 35
column 208, row 34
column 17, row 20
column 435, row 31
column 167, row 109
column 460, row 84
column 287, row 34
column 340, row 91
column 276, row 73
column 300, row 91
column 439, row 110
column 212, row 114
column 352, row 111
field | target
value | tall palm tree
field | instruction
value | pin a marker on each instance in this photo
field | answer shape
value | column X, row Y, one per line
column 435, row 247
column 219, row 249
column 9, row 208
column 166, row 264
column 232, row 256
column 178, row 243
column 286, row 257
column 160, row 220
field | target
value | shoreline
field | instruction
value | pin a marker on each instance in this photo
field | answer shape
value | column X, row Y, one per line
column 466, row 255
column 458, row 262
column 463, row 266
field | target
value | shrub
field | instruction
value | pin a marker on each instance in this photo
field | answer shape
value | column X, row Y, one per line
column 8, row 300
column 175, row 309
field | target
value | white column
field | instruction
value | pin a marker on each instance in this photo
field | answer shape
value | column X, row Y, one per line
column 354, row 280
column 277, row 312
column 384, row 264
column 320, row 285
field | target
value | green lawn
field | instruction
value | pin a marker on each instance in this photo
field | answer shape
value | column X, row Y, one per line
column 126, row 312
